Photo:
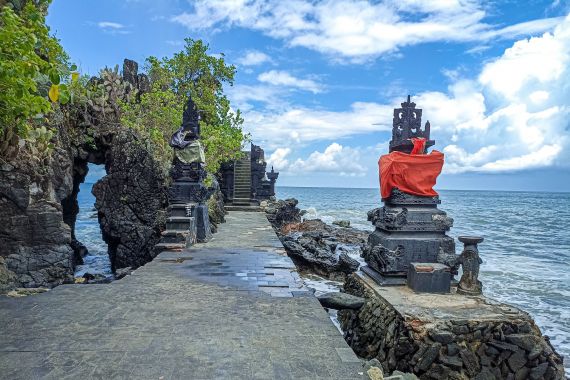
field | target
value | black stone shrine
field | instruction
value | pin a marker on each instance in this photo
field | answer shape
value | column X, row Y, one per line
column 188, row 221
column 409, row 228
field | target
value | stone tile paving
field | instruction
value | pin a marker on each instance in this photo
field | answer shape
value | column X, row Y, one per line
column 234, row 308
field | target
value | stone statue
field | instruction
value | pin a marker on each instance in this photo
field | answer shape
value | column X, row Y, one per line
column 470, row 262
column 186, row 140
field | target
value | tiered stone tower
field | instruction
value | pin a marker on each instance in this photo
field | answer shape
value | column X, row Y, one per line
column 409, row 228
column 188, row 221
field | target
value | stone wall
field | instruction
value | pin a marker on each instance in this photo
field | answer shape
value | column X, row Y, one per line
column 487, row 340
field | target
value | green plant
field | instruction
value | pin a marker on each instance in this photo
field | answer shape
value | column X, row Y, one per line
column 33, row 67
column 109, row 92
column 39, row 143
column 191, row 72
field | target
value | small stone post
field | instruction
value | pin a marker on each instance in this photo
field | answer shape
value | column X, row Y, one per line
column 470, row 263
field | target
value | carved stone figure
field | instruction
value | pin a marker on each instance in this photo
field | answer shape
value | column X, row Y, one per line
column 407, row 124
column 470, row 263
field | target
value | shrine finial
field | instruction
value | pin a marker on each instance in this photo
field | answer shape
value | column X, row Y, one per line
column 407, row 124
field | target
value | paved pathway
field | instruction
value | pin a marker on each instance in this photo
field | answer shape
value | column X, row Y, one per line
column 233, row 308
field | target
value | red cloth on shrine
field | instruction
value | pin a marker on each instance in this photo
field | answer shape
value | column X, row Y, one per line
column 419, row 145
column 412, row 174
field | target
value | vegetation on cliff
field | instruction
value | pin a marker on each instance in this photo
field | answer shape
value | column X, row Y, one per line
column 173, row 79
column 40, row 92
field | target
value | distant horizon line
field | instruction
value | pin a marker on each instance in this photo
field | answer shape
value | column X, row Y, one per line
column 375, row 188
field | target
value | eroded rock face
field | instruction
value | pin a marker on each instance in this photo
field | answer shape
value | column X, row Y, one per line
column 283, row 212
column 38, row 201
column 131, row 201
column 34, row 240
column 313, row 245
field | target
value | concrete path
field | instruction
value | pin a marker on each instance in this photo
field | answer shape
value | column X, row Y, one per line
column 234, row 308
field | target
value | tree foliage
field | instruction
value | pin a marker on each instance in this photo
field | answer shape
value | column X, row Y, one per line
column 190, row 72
column 33, row 66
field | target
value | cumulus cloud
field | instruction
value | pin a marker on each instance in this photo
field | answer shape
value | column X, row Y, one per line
column 253, row 58
column 112, row 27
column 512, row 116
column 283, row 78
column 335, row 159
column 357, row 30
column 278, row 159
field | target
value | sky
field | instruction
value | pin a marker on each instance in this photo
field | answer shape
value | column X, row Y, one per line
column 317, row 81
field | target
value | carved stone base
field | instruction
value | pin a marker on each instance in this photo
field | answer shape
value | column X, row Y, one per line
column 391, row 253
column 188, row 192
column 383, row 280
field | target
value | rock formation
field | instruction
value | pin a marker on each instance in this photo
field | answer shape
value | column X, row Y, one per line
column 313, row 245
column 38, row 200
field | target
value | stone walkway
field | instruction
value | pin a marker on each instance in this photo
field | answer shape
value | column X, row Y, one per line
column 234, row 308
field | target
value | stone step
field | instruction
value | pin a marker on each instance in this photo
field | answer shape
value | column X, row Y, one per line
column 174, row 237
column 179, row 223
column 161, row 247
column 250, row 208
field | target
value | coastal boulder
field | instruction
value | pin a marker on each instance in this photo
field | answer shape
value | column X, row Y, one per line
column 283, row 212
column 131, row 201
column 340, row 301
column 316, row 253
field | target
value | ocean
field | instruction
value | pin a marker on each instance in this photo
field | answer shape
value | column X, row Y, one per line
column 526, row 252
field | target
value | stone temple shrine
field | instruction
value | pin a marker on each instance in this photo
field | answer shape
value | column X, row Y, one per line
column 245, row 182
column 410, row 230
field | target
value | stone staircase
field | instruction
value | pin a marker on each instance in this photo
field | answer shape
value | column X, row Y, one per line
column 180, row 230
column 242, row 182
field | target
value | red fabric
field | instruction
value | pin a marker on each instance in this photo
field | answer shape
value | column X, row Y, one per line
column 419, row 145
column 412, row 174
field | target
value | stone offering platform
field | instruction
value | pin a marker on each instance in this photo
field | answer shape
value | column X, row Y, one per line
column 233, row 308
column 446, row 336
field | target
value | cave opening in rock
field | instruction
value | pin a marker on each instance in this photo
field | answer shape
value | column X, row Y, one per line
column 91, row 251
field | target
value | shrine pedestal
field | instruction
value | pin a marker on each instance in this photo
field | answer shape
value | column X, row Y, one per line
column 446, row 336
column 409, row 229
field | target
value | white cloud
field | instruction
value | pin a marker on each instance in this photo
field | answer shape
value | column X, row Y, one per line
column 278, row 158
column 283, row 78
column 335, row 159
column 112, row 27
column 253, row 58
column 513, row 116
column 357, row 30
column 301, row 125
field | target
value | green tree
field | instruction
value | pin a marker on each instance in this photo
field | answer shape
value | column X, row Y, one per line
column 190, row 72
column 32, row 63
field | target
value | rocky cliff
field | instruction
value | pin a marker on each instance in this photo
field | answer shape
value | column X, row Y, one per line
column 38, row 198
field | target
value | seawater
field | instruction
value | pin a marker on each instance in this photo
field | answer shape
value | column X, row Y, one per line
column 526, row 252
column 88, row 231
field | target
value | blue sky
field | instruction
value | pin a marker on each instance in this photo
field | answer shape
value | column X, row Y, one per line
column 317, row 80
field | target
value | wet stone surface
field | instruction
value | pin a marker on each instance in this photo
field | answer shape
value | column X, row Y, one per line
column 232, row 308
